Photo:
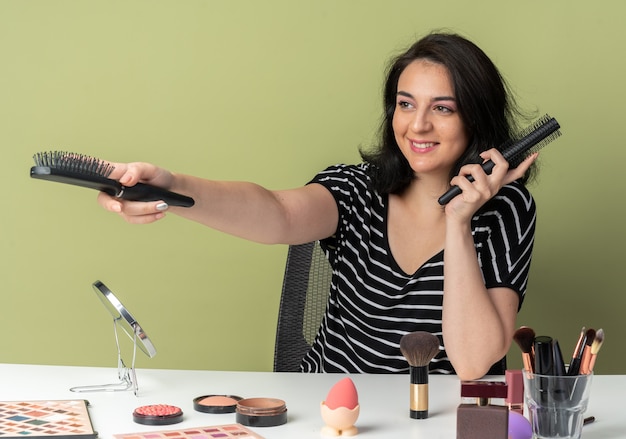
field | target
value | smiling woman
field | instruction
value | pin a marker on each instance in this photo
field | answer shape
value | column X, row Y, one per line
column 273, row 92
column 428, row 128
column 382, row 228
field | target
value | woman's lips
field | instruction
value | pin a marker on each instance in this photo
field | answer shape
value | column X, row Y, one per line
column 423, row 146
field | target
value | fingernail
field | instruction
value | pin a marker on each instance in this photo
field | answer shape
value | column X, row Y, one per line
column 117, row 207
column 162, row 206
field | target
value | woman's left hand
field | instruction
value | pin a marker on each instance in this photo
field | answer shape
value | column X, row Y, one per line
column 485, row 186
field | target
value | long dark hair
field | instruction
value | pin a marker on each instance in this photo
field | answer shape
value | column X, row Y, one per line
column 485, row 104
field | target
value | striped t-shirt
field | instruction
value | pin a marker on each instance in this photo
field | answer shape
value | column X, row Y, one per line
column 373, row 303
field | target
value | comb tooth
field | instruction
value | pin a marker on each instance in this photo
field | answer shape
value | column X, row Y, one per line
column 107, row 169
column 73, row 162
column 519, row 158
column 533, row 127
column 102, row 168
column 40, row 159
column 537, row 136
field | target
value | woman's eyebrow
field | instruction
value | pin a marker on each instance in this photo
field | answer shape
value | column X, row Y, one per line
column 435, row 99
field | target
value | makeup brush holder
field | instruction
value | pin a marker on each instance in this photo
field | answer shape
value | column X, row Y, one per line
column 556, row 404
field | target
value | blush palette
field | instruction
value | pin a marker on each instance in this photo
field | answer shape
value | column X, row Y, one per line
column 46, row 419
column 230, row 431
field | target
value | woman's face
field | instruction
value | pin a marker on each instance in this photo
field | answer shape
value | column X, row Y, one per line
column 426, row 123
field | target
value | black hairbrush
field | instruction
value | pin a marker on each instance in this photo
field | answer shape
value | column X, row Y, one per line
column 530, row 140
column 90, row 172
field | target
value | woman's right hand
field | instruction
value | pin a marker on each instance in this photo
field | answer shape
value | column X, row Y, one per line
column 129, row 174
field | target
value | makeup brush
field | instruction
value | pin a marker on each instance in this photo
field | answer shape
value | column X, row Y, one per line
column 584, row 361
column 419, row 348
column 595, row 348
column 525, row 338
column 574, row 365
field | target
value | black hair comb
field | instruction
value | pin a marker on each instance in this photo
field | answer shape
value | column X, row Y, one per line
column 90, row 172
column 530, row 140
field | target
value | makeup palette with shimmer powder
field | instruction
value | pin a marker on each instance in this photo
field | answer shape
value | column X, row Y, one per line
column 46, row 419
column 230, row 431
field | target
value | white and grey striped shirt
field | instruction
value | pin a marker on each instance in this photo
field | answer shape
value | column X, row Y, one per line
column 372, row 302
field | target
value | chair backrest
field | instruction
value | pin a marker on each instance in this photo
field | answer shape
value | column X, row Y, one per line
column 302, row 304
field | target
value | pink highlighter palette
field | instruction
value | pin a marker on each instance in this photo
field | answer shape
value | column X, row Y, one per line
column 57, row 419
column 230, row 431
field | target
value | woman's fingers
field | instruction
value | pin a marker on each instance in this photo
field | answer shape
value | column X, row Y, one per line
column 129, row 174
column 134, row 212
column 521, row 169
column 482, row 185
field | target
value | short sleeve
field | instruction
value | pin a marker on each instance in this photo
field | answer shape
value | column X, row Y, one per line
column 504, row 235
column 349, row 186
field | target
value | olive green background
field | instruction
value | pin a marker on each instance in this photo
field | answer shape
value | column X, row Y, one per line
column 272, row 92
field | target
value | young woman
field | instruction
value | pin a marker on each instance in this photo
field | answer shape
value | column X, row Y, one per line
column 401, row 262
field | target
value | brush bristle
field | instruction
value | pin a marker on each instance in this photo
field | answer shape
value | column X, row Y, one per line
column 590, row 336
column 525, row 337
column 534, row 137
column 72, row 162
column 597, row 342
column 419, row 347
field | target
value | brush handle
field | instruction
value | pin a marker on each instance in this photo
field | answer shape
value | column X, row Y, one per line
column 146, row 192
column 418, row 392
column 542, row 133
column 574, row 366
column 138, row 192
column 455, row 190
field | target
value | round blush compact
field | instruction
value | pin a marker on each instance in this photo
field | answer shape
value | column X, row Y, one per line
column 216, row 403
column 261, row 412
column 158, row 414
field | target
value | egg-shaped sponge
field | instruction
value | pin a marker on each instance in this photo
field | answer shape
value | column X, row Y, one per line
column 342, row 394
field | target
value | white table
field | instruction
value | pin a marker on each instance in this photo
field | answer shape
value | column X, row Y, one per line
column 383, row 400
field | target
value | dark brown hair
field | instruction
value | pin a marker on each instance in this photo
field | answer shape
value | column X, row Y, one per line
column 485, row 105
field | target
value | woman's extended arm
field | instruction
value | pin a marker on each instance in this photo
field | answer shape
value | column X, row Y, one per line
column 242, row 209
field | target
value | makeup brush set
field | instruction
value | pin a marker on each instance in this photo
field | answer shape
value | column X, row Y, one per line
column 542, row 354
column 557, row 394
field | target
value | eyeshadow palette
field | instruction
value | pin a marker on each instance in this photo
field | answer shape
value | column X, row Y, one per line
column 230, row 431
column 57, row 419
